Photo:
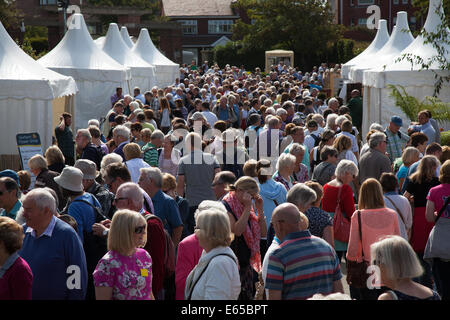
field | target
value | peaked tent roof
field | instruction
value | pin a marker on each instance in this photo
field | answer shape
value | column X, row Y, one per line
column 126, row 37
column 381, row 38
column 145, row 48
column 21, row 77
column 117, row 49
column 397, row 72
column 77, row 55
column 418, row 46
column 100, row 41
column 401, row 37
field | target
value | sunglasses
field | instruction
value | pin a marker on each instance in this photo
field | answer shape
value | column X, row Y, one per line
column 118, row 199
column 139, row 230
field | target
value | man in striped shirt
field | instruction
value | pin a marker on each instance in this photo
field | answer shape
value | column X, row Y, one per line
column 302, row 265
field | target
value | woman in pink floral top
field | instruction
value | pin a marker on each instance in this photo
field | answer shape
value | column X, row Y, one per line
column 125, row 272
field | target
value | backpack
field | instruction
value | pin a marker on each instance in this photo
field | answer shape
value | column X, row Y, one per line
column 316, row 139
column 169, row 250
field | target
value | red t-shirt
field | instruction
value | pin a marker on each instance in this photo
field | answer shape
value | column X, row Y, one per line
column 155, row 246
column 16, row 283
column 329, row 199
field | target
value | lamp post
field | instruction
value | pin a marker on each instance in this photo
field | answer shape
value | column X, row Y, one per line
column 63, row 5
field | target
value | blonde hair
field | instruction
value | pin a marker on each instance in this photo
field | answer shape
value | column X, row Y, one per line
column 409, row 155
column 249, row 168
column 169, row 182
column 123, row 225
column 132, row 151
column 371, row 195
column 213, row 226
column 397, row 256
column 54, row 155
column 246, row 184
column 426, row 169
column 11, row 234
column 286, row 159
column 342, row 143
column 37, row 162
column 444, row 173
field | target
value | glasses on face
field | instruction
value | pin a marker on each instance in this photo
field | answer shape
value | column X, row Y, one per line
column 139, row 230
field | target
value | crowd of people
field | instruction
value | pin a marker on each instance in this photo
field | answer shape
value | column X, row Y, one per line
column 231, row 185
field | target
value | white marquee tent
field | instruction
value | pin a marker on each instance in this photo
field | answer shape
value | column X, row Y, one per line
column 97, row 75
column 31, row 96
column 401, row 37
column 126, row 37
column 142, row 73
column 166, row 70
column 378, row 105
column 381, row 38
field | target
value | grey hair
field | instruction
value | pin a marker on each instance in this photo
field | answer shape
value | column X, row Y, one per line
column 340, row 120
column 376, row 126
column 122, row 131
column 331, row 119
column 376, row 138
column 132, row 191
column 154, row 174
column 301, row 195
column 37, row 162
column 346, row 166
column 157, row 134
column 94, row 122
column 209, row 205
column 332, row 100
column 135, row 105
column 110, row 158
column 271, row 110
column 285, row 159
column 281, row 111
column 288, row 103
column 42, row 199
column 297, row 148
column 85, row 133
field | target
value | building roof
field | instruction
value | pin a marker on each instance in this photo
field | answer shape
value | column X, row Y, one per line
column 194, row 8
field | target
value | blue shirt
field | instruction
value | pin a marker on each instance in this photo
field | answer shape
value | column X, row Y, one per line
column 13, row 213
column 53, row 257
column 167, row 210
column 223, row 114
column 428, row 130
column 83, row 213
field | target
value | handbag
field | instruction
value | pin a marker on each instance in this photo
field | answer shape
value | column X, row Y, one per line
column 341, row 224
column 357, row 271
column 438, row 243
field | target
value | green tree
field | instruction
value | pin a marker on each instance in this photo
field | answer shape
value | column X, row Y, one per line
column 440, row 40
column 306, row 27
column 9, row 15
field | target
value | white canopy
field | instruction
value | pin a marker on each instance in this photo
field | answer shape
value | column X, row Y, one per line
column 381, row 38
column 27, row 91
column 401, row 37
column 166, row 70
column 126, row 37
column 378, row 105
column 97, row 74
column 143, row 74
column 100, row 41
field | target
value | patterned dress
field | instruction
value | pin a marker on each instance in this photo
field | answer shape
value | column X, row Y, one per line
column 130, row 277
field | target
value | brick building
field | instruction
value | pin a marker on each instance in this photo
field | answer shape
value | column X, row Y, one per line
column 205, row 24
column 354, row 12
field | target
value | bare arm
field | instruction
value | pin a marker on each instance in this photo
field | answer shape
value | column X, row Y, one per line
column 338, row 287
column 103, row 293
column 274, row 295
column 429, row 213
column 176, row 235
column 238, row 227
column 328, row 235
column 180, row 185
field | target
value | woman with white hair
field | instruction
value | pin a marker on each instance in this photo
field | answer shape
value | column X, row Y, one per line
column 338, row 194
column 125, row 271
column 134, row 110
column 216, row 276
column 285, row 169
column 301, row 172
column 398, row 265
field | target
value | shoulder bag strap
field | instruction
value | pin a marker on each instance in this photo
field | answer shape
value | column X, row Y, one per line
column 396, row 208
column 442, row 209
column 360, row 233
column 203, row 271
column 97, row 210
